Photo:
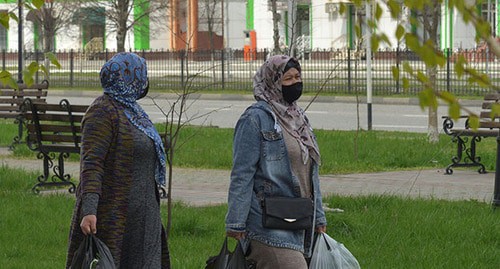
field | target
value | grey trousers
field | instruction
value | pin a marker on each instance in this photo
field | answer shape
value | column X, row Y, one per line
column 268, row 257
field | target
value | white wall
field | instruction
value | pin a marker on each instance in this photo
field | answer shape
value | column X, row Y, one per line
column 235, row 24
column 328, row 30
column 263, row 24
column 463, row 34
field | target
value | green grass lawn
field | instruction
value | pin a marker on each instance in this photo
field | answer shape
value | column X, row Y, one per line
column 381, row 231
column 341, row 151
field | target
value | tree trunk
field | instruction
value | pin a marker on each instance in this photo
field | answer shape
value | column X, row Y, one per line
column 432, row 131
column 120, row 40
column 432, row 15
column 121, row 27
column 276, row 32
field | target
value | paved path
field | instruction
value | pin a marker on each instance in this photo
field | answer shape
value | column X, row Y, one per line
column 199, row 187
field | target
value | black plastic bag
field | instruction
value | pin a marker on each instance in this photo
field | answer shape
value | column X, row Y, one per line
column 92, row 253
column 238, row 260
column 227, row 259
column 221, row 260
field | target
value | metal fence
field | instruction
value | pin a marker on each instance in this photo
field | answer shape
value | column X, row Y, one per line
column 331, row 71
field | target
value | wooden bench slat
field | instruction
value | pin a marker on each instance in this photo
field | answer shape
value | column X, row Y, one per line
column 55, row 128
column 70, row 148
column 57, row 107
column 492, row 96
column 19, row 101
column 9, row 115
column 487, row 115
column 490, row 124
column 43, row 85
column 55, row 117
column 56, row 138
column 470, row 132
column 11, row 101
column 10, row 108
column 23, row 93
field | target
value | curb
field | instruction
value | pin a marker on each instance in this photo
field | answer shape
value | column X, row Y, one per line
column 305, row 98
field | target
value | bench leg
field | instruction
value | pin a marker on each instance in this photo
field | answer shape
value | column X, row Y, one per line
column 470, row 159
column 59, row 178
column 19, row 138
column 496, row 191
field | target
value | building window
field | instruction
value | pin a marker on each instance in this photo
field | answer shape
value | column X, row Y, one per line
column 489, row 13
column 3, row 35
column 93, row 23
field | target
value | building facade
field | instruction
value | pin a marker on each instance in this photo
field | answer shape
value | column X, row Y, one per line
column 204, row 24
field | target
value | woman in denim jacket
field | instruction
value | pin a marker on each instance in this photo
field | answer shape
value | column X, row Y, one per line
column 275, row 154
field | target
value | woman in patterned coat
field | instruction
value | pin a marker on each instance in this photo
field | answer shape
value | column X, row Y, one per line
column 122, row 163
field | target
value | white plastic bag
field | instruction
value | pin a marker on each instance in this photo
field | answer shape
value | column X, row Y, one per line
column 330, row 254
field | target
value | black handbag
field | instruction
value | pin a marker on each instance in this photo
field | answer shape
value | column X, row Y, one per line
column 287, row 213
column 92, row 253
column 229, row 260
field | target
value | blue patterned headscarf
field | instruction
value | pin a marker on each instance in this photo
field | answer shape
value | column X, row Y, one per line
column 125, row 78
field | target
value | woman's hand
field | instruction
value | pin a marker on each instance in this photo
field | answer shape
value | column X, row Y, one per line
column 89, row 224
column 321, row 229
column 236, row 235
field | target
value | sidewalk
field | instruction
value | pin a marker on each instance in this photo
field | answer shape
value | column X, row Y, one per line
column 199, row 187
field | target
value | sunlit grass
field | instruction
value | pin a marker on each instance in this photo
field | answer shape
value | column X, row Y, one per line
column 381, row 231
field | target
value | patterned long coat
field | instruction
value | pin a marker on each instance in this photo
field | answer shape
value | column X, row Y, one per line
column 111, row 178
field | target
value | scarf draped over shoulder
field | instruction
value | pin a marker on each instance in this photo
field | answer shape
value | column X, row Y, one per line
column 125, row 78
column 267, row 87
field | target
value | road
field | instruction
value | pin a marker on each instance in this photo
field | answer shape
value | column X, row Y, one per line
column 337, row 114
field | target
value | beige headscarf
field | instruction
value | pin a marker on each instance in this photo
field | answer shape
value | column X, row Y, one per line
column 267, row 87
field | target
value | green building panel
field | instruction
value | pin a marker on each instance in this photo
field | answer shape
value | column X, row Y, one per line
column 250, row 15
column 141, row 28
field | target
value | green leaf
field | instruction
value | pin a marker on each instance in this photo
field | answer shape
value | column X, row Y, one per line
column 459, row 66
column 357, row 29
column 407, row 68
column 448, row 97
column 53, row 59
column 406, row 83
column 454, row 110
column 378, row 12
column 400, row 31
column 412, row 43
column 6, row 79
column 38, row 3
column 342, row 8
column 375, row 43
column 495, row 111
column 394, row 8
column 473, row 122
column 13, row 16
column 4, row 19
column 32, row 68
column 384, row 38
column 395, row 73
column 422, row 77
column 427, row 98
column 28, row 78
column 423, row 99
column 44, row 69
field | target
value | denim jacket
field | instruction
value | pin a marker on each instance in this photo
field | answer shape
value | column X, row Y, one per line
column 261, row 166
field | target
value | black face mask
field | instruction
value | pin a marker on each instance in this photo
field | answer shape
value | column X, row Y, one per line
column 292, row 92
column 144, row 92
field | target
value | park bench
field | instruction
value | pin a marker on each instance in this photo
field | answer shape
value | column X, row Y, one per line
column 11, row 100
column 54, row 131
column 467, row 138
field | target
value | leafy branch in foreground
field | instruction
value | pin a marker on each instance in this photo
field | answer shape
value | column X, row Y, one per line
column 428, row 51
